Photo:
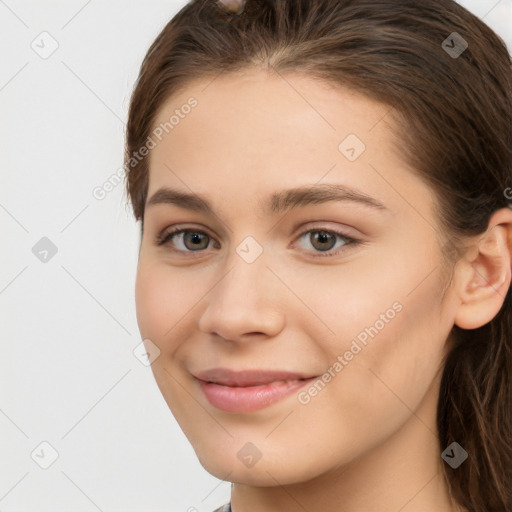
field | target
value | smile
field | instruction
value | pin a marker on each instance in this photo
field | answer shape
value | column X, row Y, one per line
column 248, row 391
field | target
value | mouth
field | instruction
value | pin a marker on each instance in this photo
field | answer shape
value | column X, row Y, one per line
column 250, row 390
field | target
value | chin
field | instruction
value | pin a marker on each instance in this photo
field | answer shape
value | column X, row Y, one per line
column 266, row 472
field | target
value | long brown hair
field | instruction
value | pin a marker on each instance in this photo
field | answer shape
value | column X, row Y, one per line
column 447, row 79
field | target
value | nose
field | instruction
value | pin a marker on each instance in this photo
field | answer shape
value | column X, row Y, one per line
column 243, row 303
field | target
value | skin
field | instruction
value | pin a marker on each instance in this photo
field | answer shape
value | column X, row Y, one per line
column 368, row 440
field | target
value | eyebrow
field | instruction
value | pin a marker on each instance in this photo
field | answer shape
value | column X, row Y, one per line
column 277, row 203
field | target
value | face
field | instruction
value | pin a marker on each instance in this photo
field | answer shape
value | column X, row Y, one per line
column 292, row 327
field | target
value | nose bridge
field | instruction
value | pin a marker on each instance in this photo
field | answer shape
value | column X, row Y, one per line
column 247, row 279
column 246, row 267
column 243, row 300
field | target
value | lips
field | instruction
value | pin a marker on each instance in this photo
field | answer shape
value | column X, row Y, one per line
column 246, row 378
column 248, row 390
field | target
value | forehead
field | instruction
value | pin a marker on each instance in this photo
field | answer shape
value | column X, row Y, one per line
column 289, row 100
column 253, row 131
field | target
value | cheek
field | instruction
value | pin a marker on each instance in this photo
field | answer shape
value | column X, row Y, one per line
column 404, row 345
column 389, row 322
column 160, row 297
column 389, row 376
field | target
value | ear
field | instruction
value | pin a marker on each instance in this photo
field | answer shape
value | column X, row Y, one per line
column 484, row 274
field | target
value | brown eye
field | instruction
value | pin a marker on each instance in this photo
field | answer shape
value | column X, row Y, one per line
column 196, row 240
column 185, row 240
column 324, row 239
column 325, row 242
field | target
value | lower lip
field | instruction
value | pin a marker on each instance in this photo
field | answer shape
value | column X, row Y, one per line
column 249, row 399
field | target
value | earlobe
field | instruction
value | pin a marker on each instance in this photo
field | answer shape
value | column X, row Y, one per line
column 484, row 278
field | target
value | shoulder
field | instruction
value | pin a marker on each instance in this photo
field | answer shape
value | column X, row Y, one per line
column 224, row 508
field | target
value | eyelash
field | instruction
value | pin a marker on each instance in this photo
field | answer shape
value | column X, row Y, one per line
column 166, row 237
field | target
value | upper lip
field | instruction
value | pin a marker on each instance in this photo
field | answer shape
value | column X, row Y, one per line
column 245, row 378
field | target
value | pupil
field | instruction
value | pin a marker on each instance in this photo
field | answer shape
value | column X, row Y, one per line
column 323, row 237
column 195, row 238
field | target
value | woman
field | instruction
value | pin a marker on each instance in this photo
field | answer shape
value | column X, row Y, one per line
column 325, row 258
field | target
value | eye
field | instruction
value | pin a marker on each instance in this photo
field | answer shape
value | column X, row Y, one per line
column 188, row 240
column 323, row 241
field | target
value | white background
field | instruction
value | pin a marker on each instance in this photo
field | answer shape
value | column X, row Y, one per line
column 67, row 372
